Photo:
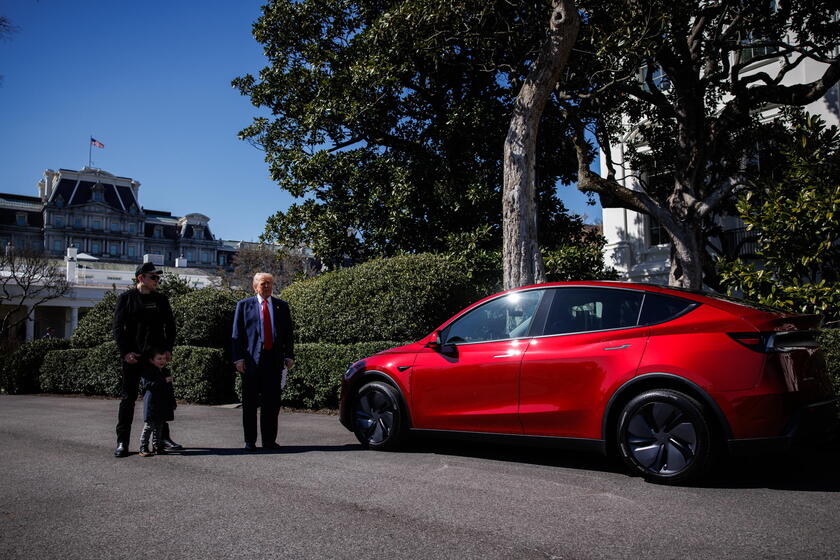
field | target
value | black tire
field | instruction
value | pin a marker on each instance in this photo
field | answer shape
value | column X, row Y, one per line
column 665, row 436
column 377, row 416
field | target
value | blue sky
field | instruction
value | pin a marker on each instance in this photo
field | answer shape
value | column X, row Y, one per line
column 151, row 80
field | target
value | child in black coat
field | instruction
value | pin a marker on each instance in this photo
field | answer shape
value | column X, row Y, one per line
column 158, row 402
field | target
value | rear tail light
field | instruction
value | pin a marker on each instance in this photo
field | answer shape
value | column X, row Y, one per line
column 776, row 341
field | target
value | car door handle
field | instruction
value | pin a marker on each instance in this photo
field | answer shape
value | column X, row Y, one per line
column 510, row 354
column 622, row 347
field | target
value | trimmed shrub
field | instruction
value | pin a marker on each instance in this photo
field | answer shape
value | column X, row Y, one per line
column 104, row 370
column 830, row 342
column 205, row 317
column 400, row 298
column 64, row 371
column 202, row 375
column 97, row 325
column 19, row 374
column 315, row 381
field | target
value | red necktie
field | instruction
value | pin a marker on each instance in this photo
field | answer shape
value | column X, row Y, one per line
column 267, row 334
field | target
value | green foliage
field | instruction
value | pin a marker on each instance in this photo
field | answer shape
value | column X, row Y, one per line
column 64, row 371
column 794, row 212
column 104, row 370
column 402, row 298
column 97, row 324
column 205, row 317
column 202, row 375
column 315, row 381
column 172, row 285
column 19, row 371
column 580, row 261
column 410, row 104
column 830, row 342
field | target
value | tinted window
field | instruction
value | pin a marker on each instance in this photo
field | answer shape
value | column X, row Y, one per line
column 659, row 308
column 592, row 309
column 509, row 316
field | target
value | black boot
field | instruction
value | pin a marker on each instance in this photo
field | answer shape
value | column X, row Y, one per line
column 121, row 450
column 168, row 443
column 145, row 451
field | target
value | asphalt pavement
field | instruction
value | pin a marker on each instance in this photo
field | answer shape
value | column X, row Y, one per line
column 64, row 495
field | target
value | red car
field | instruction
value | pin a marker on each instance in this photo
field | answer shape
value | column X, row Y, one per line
column 669, row 379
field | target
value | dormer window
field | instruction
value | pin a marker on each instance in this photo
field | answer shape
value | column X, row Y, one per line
column 98, row 193
column 59, row 201
column 158, row 232
column 20, row 219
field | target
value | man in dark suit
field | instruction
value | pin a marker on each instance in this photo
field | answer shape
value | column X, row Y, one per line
column 262, row 347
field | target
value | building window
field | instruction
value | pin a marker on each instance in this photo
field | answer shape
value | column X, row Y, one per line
column 98, row 196
column 57, row 246
column 95, row 247
column 158, row 232
column 132, row 227
column 656, row 233
column 130, row 250
column 115, row 249
column 115, row 226
column 96, row 224
column 205, row 257
column 222, row 260
column 58, row 221
column 77, row 222
column 189, row 256
column 21, row 219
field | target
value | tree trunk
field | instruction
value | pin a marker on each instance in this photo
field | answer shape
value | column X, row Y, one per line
column 521, row 259
column 686, row 258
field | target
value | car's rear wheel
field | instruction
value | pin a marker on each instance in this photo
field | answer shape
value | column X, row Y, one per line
column 664, row 436
column 377, row 416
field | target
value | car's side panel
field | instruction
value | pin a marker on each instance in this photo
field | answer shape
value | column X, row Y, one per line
column 566, row 380
column 696, row 346
column 471, row 387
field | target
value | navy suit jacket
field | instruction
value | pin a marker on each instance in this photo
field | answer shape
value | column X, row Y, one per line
column 247, row 331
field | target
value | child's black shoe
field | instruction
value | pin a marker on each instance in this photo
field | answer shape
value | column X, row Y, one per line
column 145, row 451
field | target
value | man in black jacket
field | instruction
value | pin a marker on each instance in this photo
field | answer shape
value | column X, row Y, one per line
column 142, row 320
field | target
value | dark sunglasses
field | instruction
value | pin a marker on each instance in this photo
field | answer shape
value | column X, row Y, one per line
column 155, row 277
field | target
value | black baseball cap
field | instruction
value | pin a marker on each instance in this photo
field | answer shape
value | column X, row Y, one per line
column 147, row 268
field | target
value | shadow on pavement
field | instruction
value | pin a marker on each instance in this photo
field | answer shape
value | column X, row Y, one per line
column 284, row 449
column 805, row 469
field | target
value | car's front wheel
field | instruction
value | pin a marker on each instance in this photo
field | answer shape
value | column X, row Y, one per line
column 377, row 416
column 664, row 436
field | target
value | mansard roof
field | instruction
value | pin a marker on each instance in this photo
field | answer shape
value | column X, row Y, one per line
column 20, row 202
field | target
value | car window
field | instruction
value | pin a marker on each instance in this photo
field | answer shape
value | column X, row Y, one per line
column 659, row 308
column 592, row 309
column 506, row 317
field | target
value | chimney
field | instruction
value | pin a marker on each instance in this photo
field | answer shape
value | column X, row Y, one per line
column 71, row 263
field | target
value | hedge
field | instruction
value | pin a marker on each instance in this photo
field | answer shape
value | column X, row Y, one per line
column 315, row 380
column 96, row 326
column 205, row 317
column 201, row 374
column 830, row 343
column 400, row 298
column 19, row 372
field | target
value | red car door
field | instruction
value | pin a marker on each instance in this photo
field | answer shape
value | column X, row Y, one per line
column 471, row 383
column 591, row 345
column 472, row 387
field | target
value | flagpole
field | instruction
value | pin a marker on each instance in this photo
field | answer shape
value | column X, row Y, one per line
column 90, row 150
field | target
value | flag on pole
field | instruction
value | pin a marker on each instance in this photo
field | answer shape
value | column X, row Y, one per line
column 95, row 142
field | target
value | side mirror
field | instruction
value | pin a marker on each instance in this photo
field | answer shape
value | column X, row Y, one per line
column 434, row 341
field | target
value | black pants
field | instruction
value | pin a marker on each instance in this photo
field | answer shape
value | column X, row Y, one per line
column 128, row 397
column 261, row 388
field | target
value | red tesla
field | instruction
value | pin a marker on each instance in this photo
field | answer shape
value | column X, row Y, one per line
column 668, row 379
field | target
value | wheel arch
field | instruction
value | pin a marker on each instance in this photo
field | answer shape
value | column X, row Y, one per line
column 649, row 381
column 377, row 375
